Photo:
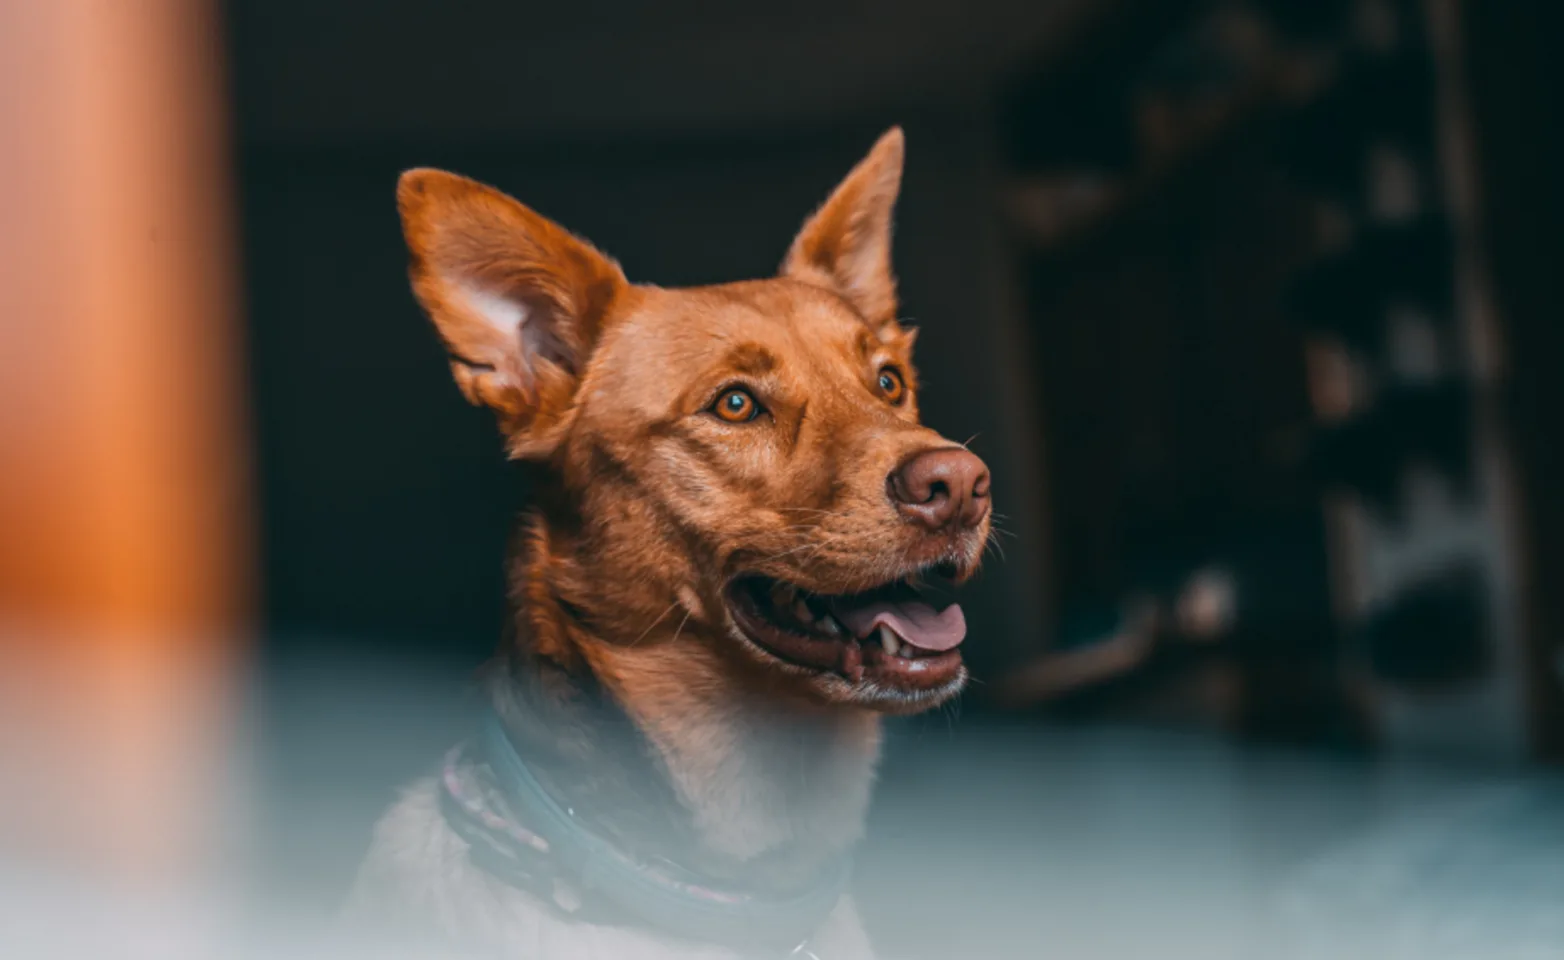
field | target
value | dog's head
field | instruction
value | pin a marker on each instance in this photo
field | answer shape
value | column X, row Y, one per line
column 750, row 451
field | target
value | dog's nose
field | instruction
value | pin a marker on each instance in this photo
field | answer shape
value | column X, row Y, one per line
column 942, row 488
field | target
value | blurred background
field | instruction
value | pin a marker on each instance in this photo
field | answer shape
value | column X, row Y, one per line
column 1252, row 305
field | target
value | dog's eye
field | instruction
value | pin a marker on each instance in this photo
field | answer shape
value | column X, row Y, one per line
column 892, row 385
column 736, row 405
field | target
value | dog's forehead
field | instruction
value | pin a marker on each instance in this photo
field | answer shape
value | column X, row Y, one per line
column 781, row 318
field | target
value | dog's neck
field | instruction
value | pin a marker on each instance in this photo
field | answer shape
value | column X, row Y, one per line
column 672, row 748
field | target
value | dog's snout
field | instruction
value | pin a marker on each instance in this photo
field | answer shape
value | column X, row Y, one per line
column 941, row 489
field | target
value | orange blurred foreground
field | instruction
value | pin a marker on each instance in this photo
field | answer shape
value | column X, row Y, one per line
column 124, row 574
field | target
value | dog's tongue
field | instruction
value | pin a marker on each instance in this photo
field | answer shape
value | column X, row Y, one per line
column 913, row 620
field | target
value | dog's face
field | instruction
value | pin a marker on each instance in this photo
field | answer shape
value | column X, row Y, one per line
column 750, row 452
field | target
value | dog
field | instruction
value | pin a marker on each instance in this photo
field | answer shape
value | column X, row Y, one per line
column 730, row 575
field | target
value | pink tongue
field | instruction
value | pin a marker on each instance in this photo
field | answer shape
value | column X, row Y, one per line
column 917, row 623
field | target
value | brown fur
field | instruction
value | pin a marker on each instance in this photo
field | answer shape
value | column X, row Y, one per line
column 626, row 681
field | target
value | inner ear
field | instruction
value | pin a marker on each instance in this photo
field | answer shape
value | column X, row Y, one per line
column 530, row 326
column 846, row 245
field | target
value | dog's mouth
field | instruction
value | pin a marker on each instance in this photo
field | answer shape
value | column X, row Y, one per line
column 902, row 634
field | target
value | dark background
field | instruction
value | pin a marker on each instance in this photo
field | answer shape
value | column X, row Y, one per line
column 1110, row 233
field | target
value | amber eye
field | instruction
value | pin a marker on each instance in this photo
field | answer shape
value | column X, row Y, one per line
column 891, row 384
column 736, row 405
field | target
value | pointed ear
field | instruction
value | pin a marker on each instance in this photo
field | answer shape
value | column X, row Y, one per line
column 846, row 245
column 517, row 300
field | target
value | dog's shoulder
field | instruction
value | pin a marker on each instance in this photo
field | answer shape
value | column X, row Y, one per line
column 409, row 837
column 414, row 858
column 416, row 883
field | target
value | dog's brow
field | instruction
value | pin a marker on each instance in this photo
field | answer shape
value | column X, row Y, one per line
column 867, row 343
column 751, row 358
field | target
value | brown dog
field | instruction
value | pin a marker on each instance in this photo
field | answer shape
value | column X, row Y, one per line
column 717, row 594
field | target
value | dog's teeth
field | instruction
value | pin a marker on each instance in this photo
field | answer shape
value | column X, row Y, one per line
column 781, row 595
column 829, row 625
column 888, row 640
column 803, row 613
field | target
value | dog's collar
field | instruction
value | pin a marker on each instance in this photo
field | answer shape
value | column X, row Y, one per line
column 545, row 849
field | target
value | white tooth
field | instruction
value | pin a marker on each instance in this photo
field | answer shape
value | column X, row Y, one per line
column 829, row 625
column 905, row 651
column 888, row 640
column 802, row 611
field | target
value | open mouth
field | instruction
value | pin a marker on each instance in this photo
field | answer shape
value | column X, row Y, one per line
column 904, row 633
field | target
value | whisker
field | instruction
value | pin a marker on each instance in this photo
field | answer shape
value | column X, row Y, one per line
column 680, row 629
column 655, row 623
column 794, row 550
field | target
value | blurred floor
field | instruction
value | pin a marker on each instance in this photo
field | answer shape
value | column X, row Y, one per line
column 987, row 839
column 1102, row 842
column 1011, row 839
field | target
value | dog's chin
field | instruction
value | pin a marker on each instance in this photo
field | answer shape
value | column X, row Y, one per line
column 895, row 648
